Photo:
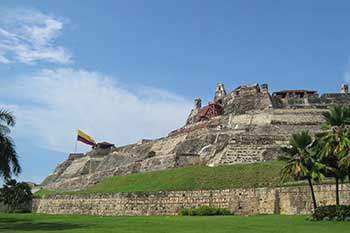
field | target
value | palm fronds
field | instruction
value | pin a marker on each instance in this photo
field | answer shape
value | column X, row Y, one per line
column 9, row 164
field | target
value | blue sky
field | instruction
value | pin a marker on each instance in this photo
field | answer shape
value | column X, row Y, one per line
column 125, row 70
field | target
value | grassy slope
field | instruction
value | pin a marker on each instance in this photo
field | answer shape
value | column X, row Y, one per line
column 192, row 178
column 35, row 223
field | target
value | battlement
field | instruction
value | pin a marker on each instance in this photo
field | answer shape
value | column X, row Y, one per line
column 255, row 97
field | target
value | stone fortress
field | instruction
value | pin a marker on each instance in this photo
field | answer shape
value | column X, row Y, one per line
column 245, row 125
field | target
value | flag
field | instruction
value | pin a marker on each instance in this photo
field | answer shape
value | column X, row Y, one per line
column 84, row 138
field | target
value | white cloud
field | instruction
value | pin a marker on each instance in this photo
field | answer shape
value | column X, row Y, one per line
column 28, row 36
column 52, row 104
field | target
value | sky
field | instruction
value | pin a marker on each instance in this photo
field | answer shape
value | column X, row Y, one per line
column 126, row 70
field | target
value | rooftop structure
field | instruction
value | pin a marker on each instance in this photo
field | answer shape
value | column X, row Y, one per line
column 255, row 97
column 291, row 93
column 104, row 145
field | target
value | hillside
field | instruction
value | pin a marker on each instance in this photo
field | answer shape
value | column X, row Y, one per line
column 245, row 125
column 190, row 178
column 225, row 140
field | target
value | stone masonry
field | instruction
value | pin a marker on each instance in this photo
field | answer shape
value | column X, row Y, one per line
column 245, row 125
column 285, row 200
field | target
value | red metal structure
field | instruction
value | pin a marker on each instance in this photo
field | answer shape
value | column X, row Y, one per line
column 213, row 109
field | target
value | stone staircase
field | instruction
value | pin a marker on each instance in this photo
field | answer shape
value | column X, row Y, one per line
column 234, row 154
column 247, row 148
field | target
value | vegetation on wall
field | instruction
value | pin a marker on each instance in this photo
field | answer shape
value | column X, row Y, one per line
column 205, row 211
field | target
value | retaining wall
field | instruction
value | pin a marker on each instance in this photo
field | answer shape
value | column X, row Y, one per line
column 286, row 200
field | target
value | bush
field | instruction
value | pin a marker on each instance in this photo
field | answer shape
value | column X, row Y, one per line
column 205, row 211
column 16, row 196
column 332, row 212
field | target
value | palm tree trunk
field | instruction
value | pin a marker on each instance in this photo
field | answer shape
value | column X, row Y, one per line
column 337, row 190
column 312, row 194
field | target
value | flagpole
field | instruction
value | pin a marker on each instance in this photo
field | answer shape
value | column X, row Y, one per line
column 76, row 142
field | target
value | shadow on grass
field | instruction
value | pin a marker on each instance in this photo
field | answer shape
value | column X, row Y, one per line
column 16, row 225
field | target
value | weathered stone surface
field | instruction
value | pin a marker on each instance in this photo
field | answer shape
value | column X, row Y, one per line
column 252, row 128
column 286, row 200
column 246, row 138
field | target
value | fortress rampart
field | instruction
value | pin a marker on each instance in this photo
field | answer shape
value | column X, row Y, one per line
column 256, row 97
column 286, row 200
column 246, row 125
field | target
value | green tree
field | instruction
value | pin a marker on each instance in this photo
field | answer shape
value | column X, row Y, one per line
column 334, row 143
column 345, row 162
column 9, row 164
column 300, row 164
column 16, row 195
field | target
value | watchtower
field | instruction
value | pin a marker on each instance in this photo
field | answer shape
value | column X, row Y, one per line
column 220, row 92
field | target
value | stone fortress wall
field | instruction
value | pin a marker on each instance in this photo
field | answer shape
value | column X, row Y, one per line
column 285, row 200
column 255, row 97
column 245, row 125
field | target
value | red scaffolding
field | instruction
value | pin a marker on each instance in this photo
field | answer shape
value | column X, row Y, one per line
column 213, row 109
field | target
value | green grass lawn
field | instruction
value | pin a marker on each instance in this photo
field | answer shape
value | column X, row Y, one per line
column 16, row 223
column 191, row 178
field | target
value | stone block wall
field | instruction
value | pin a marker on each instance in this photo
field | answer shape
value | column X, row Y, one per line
column 248, row 148
column 286, row 200
column 241, row 104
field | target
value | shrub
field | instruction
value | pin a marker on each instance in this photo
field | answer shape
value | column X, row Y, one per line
column 205, row 211
column 16, row 196
column 332, row 212
column 185, row 211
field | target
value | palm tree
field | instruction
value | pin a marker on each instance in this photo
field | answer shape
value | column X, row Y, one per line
column 345, row 162
column 9, row 164
column 300, row 164
column 334, row 143
column 345, row 154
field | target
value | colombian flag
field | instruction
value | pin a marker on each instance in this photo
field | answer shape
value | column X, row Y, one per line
column 84, row 138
